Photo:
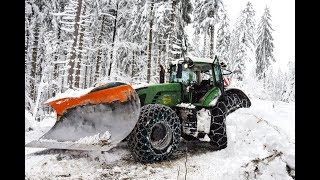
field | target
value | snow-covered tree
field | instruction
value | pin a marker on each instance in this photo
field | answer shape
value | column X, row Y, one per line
column 78, row 10
column 274, row 83
column 288, row 94
column 88, row 42
column 150, row 37
column 206, row 16
column 243, row 42
column 195, row 47
column 181, row 18
column 223, row 38
column 38, row 48
column 264, row 50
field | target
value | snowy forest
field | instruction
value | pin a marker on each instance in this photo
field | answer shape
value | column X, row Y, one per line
column 72, row 46
column 77, row 44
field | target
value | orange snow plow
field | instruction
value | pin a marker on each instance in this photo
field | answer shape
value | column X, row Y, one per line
column 97, row 120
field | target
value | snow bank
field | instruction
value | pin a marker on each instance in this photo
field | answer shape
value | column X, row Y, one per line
column 31, row 124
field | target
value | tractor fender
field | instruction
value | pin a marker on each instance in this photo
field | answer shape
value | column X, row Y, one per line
column 235, row 99
column 241, row 95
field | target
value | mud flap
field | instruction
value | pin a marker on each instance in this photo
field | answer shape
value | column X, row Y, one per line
column 92, row 126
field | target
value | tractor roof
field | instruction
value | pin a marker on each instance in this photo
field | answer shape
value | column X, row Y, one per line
column 195, row 60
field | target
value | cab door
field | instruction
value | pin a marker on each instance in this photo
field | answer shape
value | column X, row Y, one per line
column 217, row 74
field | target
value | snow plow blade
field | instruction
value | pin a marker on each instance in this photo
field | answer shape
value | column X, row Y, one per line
column 98, row 120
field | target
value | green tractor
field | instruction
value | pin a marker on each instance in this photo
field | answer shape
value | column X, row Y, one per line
column 193, row 105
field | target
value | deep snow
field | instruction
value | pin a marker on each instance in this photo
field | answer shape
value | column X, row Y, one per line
column 261, row 145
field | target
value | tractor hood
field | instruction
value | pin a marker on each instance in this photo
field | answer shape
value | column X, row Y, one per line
column 168, row 94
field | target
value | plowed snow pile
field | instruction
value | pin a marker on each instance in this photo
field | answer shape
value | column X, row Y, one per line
column 261, row 145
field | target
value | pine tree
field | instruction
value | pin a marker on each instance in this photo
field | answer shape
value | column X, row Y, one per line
column 75, row 38
column 194, row 48
column 37, row 56
column 264, row 48
column 171, row 17
column 150, row 38
column 242, row 42
column 206, row 16
column 57, row 59
column 115, row 13
column 223, row 38
column 288, row 94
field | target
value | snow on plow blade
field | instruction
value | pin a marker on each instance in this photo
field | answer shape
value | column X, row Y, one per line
column 98, row 120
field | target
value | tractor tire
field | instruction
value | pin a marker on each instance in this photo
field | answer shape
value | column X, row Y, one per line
column 157, row 134
column 218, row 133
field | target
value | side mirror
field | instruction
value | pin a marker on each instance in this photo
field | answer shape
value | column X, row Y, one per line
column 179, row 71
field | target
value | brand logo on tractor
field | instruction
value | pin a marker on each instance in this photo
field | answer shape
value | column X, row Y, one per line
column 167, row 100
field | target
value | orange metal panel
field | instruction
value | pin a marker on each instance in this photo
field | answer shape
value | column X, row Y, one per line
column 120, row 93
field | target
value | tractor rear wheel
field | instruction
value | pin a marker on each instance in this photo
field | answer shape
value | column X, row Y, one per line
column 218, row 133
column 157, row 134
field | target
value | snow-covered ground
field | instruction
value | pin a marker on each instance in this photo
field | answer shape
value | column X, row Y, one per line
column 261, row 145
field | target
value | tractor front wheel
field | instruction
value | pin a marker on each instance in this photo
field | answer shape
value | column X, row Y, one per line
column 157, row 134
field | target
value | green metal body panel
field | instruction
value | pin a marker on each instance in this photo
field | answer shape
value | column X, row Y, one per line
column 168, row 94
column 212, row 94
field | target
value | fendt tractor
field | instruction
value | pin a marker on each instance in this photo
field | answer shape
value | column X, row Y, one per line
column 152, row 118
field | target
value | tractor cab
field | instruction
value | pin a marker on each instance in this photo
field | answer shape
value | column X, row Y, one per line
column 199, row 78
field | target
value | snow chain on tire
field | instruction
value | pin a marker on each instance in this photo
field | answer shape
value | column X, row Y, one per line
column 218, row 133
column 234, row 102
column 155, row 118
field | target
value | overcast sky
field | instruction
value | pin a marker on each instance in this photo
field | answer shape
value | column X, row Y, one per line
column 283, row 22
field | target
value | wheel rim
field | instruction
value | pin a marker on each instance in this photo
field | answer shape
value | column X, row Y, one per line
column 161, row 136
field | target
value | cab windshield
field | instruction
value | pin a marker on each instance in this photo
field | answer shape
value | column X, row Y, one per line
column 188, row 76
column 194, row 75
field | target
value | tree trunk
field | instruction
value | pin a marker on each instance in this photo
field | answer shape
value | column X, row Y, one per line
column 34, row 62
column 159, row 52
column 41, row 88
column 150, row 42
column 40, row 59
column 26, row 44
column 91, row 76
column 55, row 71
column 132, row 65
column 171, row 31
column 205, row 44
column 56, row 57
column 113, row 37
column 98, row 63
column 71, row 62
column 27, row 60
column 211, row 28
column 77, row 80
column 85, row 77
